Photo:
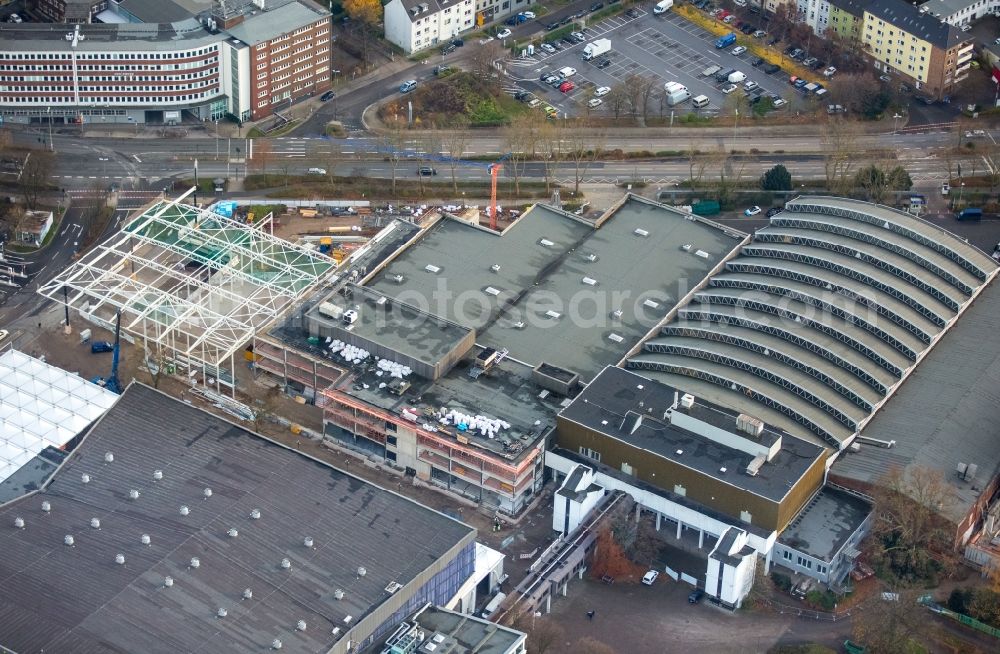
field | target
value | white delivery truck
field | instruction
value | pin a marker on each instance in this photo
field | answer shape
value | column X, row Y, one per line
column 677, row 96
column 737, row 78
column 662, row 6
column 671, row 87
column 596, row 49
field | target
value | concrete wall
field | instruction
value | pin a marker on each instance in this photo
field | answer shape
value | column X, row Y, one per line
column 567, row 512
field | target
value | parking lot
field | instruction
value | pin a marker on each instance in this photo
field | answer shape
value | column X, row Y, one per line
column 665, row 48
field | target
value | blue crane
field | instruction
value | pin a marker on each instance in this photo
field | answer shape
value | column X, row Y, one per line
column 111, row 382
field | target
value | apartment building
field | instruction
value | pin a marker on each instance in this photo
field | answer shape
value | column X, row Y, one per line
column 244, row 61
column 416, row 25
column 846, row 18
column 67, row 11
column 903, row 40
column 815, row 14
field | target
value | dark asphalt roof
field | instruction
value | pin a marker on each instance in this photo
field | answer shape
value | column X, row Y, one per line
column 616, row 398
column 924, row 26
column 945, row 413
column 77, row 599
column 824, row 525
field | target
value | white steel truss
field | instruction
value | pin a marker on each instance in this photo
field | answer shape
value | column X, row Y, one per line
column 195, row 284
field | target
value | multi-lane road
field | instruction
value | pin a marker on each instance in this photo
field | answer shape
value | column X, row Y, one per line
column 144, row 163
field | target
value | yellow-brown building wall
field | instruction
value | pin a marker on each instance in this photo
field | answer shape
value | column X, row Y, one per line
column 708, row 491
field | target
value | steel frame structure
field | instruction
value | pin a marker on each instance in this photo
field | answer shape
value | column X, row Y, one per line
column 243, row 278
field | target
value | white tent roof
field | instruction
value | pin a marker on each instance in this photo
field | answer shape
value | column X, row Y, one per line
column 41, row 405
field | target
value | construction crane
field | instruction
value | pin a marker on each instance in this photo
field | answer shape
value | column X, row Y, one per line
column 111, row 382
column 494, row 168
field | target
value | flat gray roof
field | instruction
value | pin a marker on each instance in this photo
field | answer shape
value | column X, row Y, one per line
column 128, row 37
column 461, row 633
column 506, row 392
column 275, row 21
column 155, row 11
column 945, row 413
column 613, row 401
column 841, row 334
column 825, row 524
column 394, row 325
column 61, row 598
column 550, row 261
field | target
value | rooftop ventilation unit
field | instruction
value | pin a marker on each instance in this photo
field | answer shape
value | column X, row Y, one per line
column 589, row 281
column 335, row 631
column 687, row 401
column 348, row 618
column 120, row 559
column 68, row 540
column 617, row 338
column 679, row 452
column 195, row 562
column 686, row 247
column 109, row 457
column 555, row 315
column 255, row 514
column 300, row 625
column 591, row 257
column 750, row 425
column 207, row 493
column 233, row 532
column 545, row 243
column 18, row 522
column 145, row 540
column 307, row 541
column 133, row 494
column 722, row 470
column 652, row 304
column 397, row 278
column 168, row 582
column 46, row 507
column 495, row 267
column 157, row 475
column 640, row 232
column 85, row 478
column 393, row 587
column 338, row 594
column 381, row 301
column 754, row 466
column 970, row 472
column 276, row 643
column 519, row 324
column 617, row 314
column 702, row 254
column 285, row 564
column 362, row 571
column 492, row 291
column 247, row 594
column 95, row 523
column 961, row 468
column 184, row 510
column 431, row 268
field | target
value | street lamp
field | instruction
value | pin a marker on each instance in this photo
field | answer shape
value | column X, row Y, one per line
column 895, row 122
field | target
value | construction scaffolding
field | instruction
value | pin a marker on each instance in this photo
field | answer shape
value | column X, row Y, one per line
column 193, row 285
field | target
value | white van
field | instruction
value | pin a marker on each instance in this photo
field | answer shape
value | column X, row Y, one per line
column 663, row 6
column 317, row 171
column 700, row 101
column 567, row 71
column 494, row 604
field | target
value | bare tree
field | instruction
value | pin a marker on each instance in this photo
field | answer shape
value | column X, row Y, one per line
column 521, row 140
column 35, row 174
column 841, row 153
column 583, row 147
column 262, row 154
column 634, row 91
column 891, row 623
column 393, row 149
column 697, row 162
column 590, row 645
column 544, row 633
column 649, row 88
column 910, row 537
column 484, row 62
column 454, row 144
column 617, row 100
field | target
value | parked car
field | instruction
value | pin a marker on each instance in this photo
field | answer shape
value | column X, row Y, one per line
column 552, row 26
column 773, row 40
column 4, row 334
column 756, row 61
column 597, row 6
column 426, row 171
column 457, row 42
column 650, row 577
column 595, row 102
column 809, row 61
column 603, row 63
column 504, row 33
column 408, row 86
column 752, row 211
column 329, row 95
column 632, row 12
column 729, row 89
column 750, row 85
column 728, row 19
column 567, row 86
column 774, row 211
column 778, row 102
column 441, row 70
column 884, row 78
column 738, row 50
column 695, row 596
column 556, row 44
column 770, row 69
column 759, row 34
column 602, row 90
column 530, row 15
column 546, row 47
column 830, row 72
column 799, row 83
column 579, row 38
